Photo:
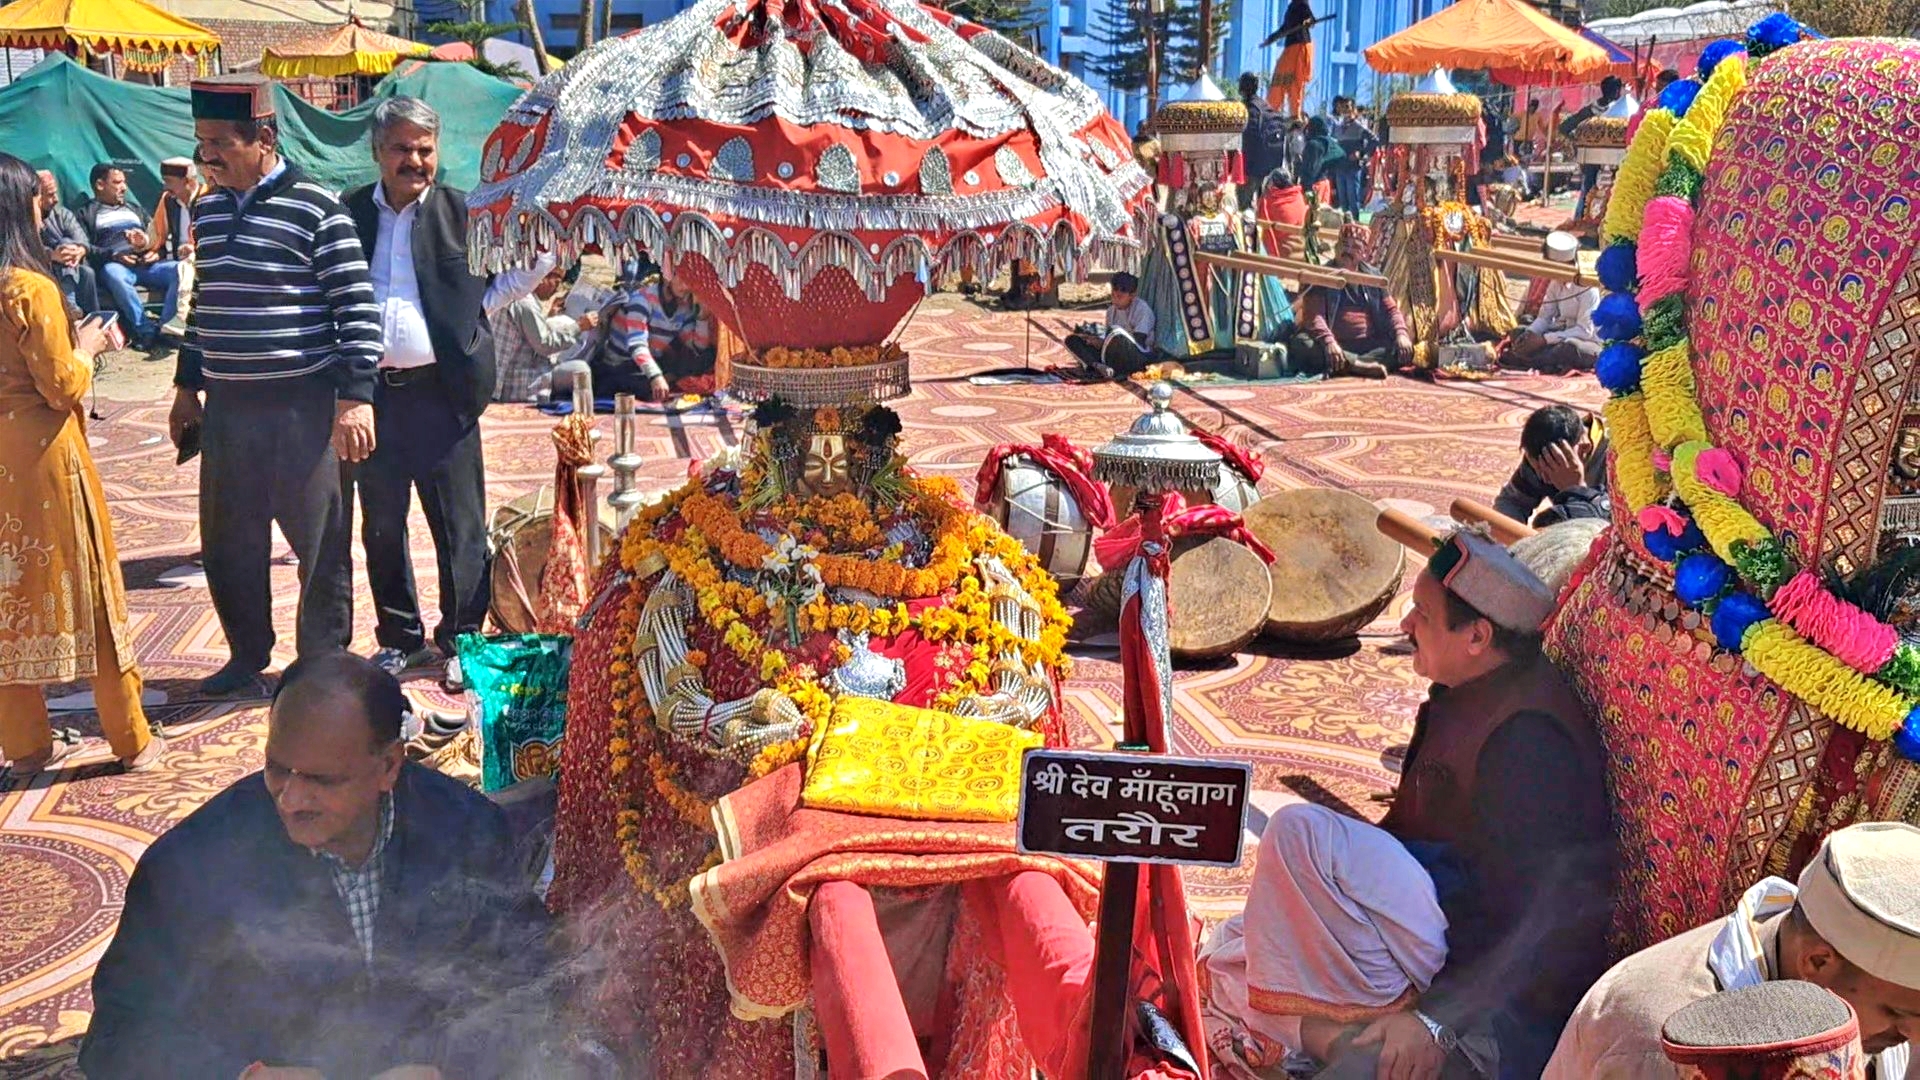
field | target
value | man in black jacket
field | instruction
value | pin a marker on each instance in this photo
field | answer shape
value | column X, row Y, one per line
column 68, row 248
column 436, row 378
column 1564, row 464
column 344, row 911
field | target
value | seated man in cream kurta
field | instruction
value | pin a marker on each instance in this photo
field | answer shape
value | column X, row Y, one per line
column 1852, row 925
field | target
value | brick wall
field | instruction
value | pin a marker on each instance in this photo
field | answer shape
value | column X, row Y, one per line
column 242, row 41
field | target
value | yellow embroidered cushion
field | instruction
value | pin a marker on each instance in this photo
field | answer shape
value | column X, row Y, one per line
column 875, row 757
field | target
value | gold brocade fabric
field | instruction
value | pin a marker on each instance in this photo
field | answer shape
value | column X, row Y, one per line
column 887, row 760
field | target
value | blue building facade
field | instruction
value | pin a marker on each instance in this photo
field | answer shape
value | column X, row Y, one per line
column 1066, row 35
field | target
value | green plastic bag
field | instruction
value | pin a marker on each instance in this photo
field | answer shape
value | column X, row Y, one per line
column 517, row 693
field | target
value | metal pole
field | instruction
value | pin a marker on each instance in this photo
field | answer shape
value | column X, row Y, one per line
column 588, row 477
column 625, row 462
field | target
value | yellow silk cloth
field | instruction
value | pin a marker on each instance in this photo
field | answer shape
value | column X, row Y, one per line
column 875, row 757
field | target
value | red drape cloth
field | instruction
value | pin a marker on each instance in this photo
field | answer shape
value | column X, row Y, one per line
column 1058, row 455
column 1122, row 542
column 1163, row 931
column 564, row 580
column 1246, row 464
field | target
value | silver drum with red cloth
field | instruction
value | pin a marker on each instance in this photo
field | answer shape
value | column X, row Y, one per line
column 1035, row 507
column 1233, row 491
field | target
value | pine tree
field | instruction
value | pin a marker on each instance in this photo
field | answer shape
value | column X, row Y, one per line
column 1171, row 37
column 1013, row 19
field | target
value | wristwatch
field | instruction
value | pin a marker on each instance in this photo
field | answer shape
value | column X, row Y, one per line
column 1442, row 1037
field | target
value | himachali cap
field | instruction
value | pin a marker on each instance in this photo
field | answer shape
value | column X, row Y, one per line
column 1785, row 1030
column 1860, row 894
column 238, row 98
column 1497, row 585
column 176, row 166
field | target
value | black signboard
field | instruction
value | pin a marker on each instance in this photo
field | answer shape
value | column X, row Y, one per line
column 1132, row 807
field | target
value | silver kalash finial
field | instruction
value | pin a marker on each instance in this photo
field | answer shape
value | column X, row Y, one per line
column 1157, row 453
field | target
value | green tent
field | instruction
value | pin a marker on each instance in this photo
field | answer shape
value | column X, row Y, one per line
column 62, row 117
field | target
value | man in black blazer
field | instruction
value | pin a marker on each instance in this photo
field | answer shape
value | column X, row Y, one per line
column 436, row 378
column 343, row 913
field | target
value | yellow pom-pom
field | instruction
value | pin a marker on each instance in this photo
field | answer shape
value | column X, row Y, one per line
column 1632, row 452
column 1822, row 681
column 1639, row 170
column 1724, row 521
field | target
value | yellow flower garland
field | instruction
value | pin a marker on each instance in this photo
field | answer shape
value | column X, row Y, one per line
column 1692, row 138
column 1816, row 677
column 1673, row 412
column 1633, row 451
column 1722, row 519
column 1639, row 170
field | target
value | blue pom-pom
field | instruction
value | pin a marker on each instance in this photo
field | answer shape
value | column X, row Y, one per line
column 1618, row 368
column 1700, row 578
column 1735, row 616
column 1711, row 56
column 1776, row 31
column 1661, row 544
column 1690, row 538
column 1617, row 317
column 1619, row 267
column 1678, row 97
column 1907, row 739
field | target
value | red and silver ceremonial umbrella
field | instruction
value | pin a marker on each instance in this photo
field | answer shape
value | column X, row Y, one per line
column 807, row 166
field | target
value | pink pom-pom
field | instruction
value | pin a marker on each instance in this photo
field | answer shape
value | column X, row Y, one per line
column 1666, row 243
column 1662, row 517
column 1854, row 637
column 1717, row 469
column 1662, row 460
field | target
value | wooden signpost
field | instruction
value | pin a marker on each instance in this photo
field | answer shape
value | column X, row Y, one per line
column 1127, row 808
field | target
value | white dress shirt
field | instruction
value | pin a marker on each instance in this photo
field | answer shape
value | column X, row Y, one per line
column 1566, row 313
column 396, row 288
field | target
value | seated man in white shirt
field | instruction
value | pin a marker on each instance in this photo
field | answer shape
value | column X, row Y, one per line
column 1561, row 337
column 1125, row 344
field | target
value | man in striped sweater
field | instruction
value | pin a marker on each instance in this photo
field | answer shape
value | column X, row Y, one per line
column 283, row 340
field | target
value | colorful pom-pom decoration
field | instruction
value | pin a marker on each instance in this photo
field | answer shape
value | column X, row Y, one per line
column 1773, row 33
column 1907, row 739
column 1662, row 459
column 1617, row 317
column 1700, row 578
column 1680, row 179
column 1664, row 518
column 1618, row 266
column 1690, row 538
column 1902, row 671
column 1737, row 614
column 1618, row 368
column 1661, row 544
column 1666, row 246
column 1718, row 469
column 1678, row 97
column 1711, row 56
column 1666, row 322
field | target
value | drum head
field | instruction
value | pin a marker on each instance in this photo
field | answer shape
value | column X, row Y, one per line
column 1219, row 590
column 519, row 561
column 1333, row 571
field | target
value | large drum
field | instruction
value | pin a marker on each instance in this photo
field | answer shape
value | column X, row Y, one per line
column 518, row 539
column 1333, row 572
column 1218, row 588
column 1035, row 507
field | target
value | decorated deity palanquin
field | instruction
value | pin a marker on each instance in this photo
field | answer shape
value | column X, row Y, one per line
column 1743, row 630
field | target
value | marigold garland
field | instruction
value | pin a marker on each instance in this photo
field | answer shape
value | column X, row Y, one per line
column 1722, row 519
column 1673, row 414
column 1639, row 171
column 1626, row 417
column 1814, row 676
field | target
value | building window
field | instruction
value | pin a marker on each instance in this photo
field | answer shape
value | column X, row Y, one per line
column 623, row 21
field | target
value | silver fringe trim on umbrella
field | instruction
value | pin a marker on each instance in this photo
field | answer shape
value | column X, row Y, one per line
column 819, row 388
column 1901, row 516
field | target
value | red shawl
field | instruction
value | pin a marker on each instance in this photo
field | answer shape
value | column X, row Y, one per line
column 1057, row 455
column 1122, row 542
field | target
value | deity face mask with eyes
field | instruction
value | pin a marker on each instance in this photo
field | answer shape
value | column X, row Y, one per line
column 826, row 471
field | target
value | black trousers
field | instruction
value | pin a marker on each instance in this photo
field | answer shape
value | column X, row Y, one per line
column 421, row 444
column 1120, row 353
column 267, row 457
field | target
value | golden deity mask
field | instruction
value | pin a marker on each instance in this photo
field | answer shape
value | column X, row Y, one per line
column 825, row 471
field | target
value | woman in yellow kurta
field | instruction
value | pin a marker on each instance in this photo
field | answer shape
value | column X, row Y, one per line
column 63, row 610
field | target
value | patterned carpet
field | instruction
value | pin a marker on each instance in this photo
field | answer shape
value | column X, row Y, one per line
column 1329, row 726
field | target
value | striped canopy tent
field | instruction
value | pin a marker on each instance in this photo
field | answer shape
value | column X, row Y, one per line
column 1503, row 35
column 145, row 37
column 347, row 49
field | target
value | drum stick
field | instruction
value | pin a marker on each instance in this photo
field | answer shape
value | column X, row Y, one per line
column 1410, row 531
column 1505, row 529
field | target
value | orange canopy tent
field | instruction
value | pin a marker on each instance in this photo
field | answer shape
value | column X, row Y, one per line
column 348, row 49
column 143, row 35
column 1506, row 34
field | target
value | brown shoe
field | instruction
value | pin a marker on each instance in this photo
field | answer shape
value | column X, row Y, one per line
column 147, row 759
column 47, row 760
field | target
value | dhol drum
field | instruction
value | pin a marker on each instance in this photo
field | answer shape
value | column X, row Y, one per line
column 1233, row 491
column 1035, row 507
column 1333, row 572
column 1219, row 591
column 517, row 540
